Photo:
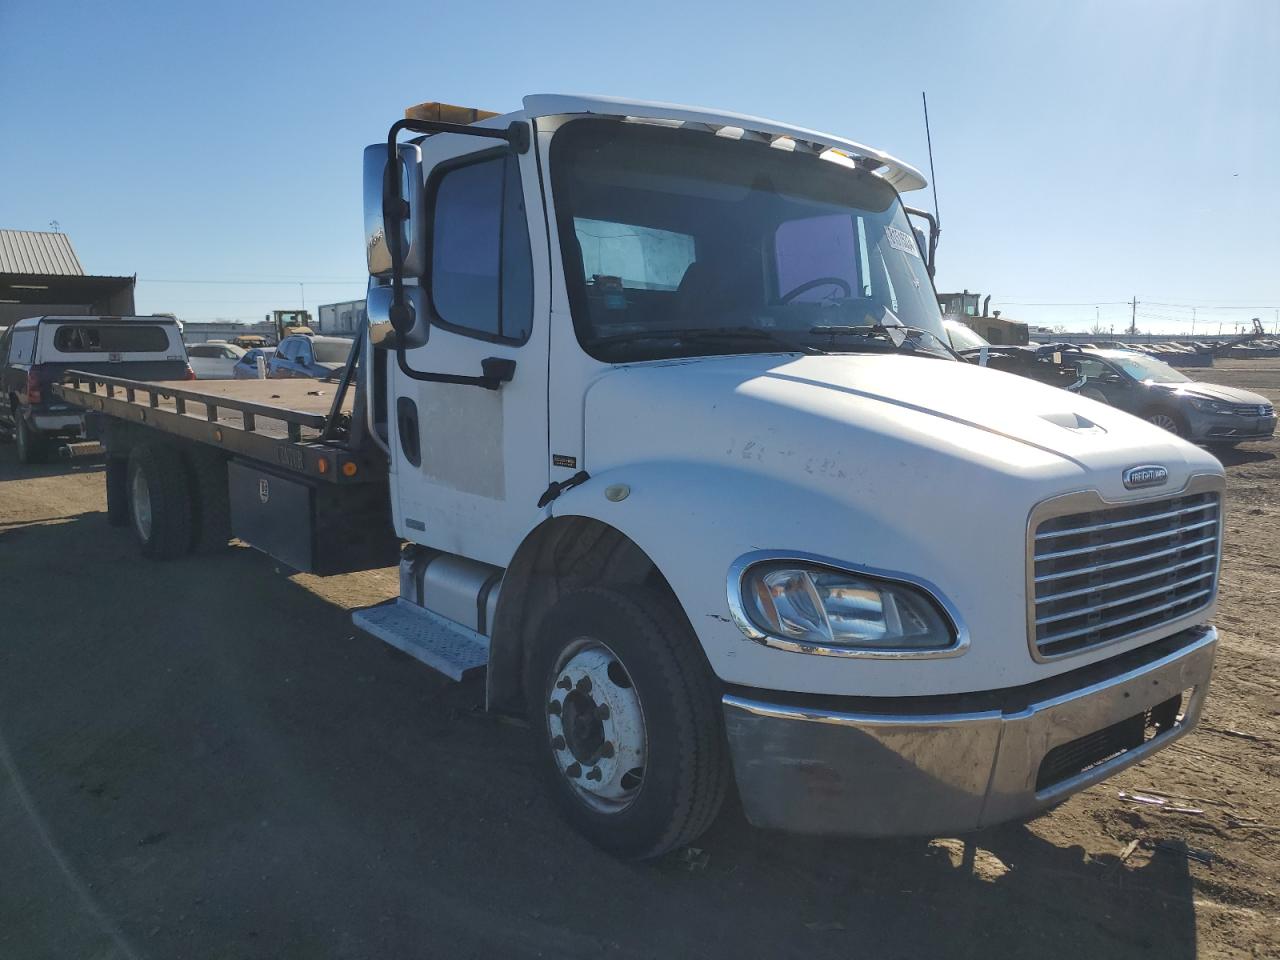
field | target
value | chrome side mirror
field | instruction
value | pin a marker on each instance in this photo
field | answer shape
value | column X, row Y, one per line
column 412, row 210
column 382, row 333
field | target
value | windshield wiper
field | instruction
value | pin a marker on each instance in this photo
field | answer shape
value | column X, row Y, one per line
column 712, row 335
column 896, row 333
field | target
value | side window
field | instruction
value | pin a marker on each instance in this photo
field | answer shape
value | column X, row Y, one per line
column 23, row 346
column 1097, row 370
column 5, row 339
column 285, row 350
column 481, row 267
column 822, row 248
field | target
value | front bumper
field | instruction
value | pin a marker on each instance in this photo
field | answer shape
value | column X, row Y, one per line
column 1228, row 427
column 945, row 765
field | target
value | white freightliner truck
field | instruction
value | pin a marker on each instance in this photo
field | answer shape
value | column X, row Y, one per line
column 656, row 406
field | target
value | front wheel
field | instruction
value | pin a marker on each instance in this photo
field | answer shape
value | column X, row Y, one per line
column 1168, row 420
column 627, row 721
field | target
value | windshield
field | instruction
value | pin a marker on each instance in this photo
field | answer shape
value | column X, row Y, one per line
column 330, row 352
column 683, row 243
column 1147, row 368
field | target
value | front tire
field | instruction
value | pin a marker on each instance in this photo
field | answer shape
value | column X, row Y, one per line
column 160, row 510
column 1169, row 420
column 33, row 447
column 627, row 721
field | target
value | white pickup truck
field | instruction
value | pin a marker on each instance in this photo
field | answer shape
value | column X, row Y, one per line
column 659, row 402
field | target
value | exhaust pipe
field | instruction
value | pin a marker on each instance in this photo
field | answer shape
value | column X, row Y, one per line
column 85, row 448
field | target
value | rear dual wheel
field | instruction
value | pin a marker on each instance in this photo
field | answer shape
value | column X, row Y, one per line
column 626, row 721
column 159, row 500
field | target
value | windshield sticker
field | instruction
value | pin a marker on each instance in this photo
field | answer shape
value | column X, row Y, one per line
column 901, row 240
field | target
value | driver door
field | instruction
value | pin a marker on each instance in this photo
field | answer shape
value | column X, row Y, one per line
column 1114, row 386
column 471, row 462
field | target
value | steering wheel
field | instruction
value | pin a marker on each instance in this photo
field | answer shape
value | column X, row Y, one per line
column 817, row 282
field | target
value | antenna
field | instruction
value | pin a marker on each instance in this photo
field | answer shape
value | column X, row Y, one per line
column 933, row 179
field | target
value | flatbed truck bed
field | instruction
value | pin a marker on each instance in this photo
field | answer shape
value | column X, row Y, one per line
column 283, row 465
column 286, row 423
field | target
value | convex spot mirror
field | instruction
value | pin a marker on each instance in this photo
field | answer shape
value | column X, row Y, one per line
column 382, row 332
column 411, row 203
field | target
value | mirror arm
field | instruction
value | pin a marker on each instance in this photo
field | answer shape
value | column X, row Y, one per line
column 395, row 209
column 934, row 230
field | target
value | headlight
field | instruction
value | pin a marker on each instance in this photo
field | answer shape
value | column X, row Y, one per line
column 1212, row 406
column 820, row 606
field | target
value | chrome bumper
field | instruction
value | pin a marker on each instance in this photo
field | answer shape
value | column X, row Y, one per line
column 942, row 765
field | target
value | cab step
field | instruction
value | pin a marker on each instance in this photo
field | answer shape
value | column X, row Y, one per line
column 440, row 643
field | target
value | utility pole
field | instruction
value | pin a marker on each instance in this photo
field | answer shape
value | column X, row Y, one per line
column 1133, row 320
column 1193, row 321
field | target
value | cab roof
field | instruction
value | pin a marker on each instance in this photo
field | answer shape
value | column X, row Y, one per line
column 901, row 175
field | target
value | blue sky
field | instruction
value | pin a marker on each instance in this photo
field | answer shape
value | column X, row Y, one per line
column 1087, row 151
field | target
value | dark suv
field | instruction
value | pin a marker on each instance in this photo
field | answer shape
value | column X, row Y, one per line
column 36, row 352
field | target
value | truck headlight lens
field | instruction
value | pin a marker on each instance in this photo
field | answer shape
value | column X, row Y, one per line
column 825, row 607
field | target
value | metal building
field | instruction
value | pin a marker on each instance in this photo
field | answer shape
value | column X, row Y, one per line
column 41, row 274
column 341, row 319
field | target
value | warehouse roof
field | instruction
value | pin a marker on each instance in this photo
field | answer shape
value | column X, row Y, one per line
column 38, row 253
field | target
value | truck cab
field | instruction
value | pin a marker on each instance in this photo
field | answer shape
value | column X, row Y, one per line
column 682, row 456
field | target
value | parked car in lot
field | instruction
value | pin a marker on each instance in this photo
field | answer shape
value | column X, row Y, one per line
column 37, row 351
column 1140, row 384
column 301, row 355
column 246, row 367
column 214, row 360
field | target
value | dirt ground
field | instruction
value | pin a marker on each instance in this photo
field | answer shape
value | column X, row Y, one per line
column 202, row 759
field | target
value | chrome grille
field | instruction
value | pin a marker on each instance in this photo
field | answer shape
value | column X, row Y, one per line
column 1106, row 574
column 1250, row 409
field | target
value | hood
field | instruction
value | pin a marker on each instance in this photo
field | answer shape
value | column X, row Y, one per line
column 1212, row 391
column 906, row 413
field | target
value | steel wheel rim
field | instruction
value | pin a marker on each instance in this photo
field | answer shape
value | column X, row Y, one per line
column 140, row 497
column 1164, row 422
column 596, row 727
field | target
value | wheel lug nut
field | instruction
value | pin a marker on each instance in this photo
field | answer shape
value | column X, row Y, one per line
column 594, row 773
column 584, row 685
column 565, row 683
column 607, row 750
column 558, row 742
column 602, row 711
column 553, row 708
column 573, row 770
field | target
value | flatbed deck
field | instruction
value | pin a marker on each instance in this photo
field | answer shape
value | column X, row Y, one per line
column 285, row 423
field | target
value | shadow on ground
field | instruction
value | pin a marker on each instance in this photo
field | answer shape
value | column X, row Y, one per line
column 203, row 759
column 1234, row 456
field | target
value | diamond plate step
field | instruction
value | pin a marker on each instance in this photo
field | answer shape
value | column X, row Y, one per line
column 439, row 643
